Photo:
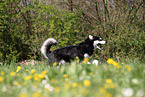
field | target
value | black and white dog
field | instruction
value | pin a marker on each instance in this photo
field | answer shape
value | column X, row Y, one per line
column 68, row 53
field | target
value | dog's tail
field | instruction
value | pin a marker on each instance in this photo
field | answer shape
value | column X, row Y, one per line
column 45, row 49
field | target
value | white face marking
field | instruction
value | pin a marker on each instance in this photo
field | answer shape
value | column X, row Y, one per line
column 98, row 42
column 90, row 37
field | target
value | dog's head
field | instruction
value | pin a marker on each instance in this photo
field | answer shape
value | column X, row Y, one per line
column 97, row 42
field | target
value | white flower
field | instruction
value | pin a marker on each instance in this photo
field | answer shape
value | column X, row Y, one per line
column 50, row 88
column 127, row 92
column 135, row 81
column 140, row 93
column 44, row 81
column 4, row 89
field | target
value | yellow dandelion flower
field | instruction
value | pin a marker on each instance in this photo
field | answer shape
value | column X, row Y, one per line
column 85, row 61
column 28, row 77
column 36, row 77
column 128, row 67
column 65, row 75
column 12, row 73
column 87, row 83
column 74, row 84
column 102, row 90
column 57, row 89
column 111, row 85
column 33, row 71
column 55, row 63
column 118, row 66
column 1, row 79
column 42, row 76
column 110, row 61
column 91, row 73
column 108, row 95
column 53, row 80
column 23, row 95
column 37, row 94
column 44, row 72
column 18, row 68
column 115, row 63
column 2, row 73
column 27, row 70
column 108, row 81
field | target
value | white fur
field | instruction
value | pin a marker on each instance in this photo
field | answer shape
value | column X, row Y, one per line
column 97, row 42
column 49, row 41
column 86, row 55
column 90, row 37
column 95, row 62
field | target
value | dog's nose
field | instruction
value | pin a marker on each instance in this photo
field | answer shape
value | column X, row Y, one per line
column 103, row 42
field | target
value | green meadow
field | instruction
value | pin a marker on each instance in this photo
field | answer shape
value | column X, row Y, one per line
column 108, row 79
column 26, row 24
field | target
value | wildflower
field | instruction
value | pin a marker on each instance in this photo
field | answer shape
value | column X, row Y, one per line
column 12, row 73
column 87, row 83
column 135, row 81
column 28, row 77
column 48, row 87
column 103, row 90
column 4, row 89
column 74, row 84
column 91, row 73
column 110, row 61
column 37, row 94
column 57, row 89
column 23, row 95
column 1, row 79
column 127, row 67
column 15, row 83
column 36, row 77
column 85, row 61
column 33, row 71
column 118, row 66
column 127, row 92
column 111, row 85
column 44, row 81
column 2, row 73
column 18, row 68
column 108, row 81
column 65, row 75
column 53, row 80
column 115, row 63
column 27, row 70
column 140, row 93
column 55, row 63
column 108, row 95
column 44, row 72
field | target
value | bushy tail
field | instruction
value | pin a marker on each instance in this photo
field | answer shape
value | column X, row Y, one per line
column 45, row 49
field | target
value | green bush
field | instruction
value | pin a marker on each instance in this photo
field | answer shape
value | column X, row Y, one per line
column 25, row 26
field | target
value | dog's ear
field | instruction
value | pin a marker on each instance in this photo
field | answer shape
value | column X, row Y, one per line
column 90, row 37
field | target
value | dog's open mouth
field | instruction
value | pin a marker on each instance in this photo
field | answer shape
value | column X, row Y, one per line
column 99, row 46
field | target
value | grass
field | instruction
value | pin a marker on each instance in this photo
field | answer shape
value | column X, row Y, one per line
column 120, row 79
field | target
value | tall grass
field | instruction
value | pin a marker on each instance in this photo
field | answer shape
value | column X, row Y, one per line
column 73, row 80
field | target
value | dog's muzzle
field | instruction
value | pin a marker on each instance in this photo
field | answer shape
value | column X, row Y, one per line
column 97, row 44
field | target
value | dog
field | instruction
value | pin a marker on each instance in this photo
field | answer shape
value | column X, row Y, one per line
column 69, row 53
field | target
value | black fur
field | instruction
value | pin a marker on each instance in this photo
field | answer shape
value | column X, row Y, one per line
column 70, row 52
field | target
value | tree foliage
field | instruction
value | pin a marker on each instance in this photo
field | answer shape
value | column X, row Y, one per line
column 25, row 24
